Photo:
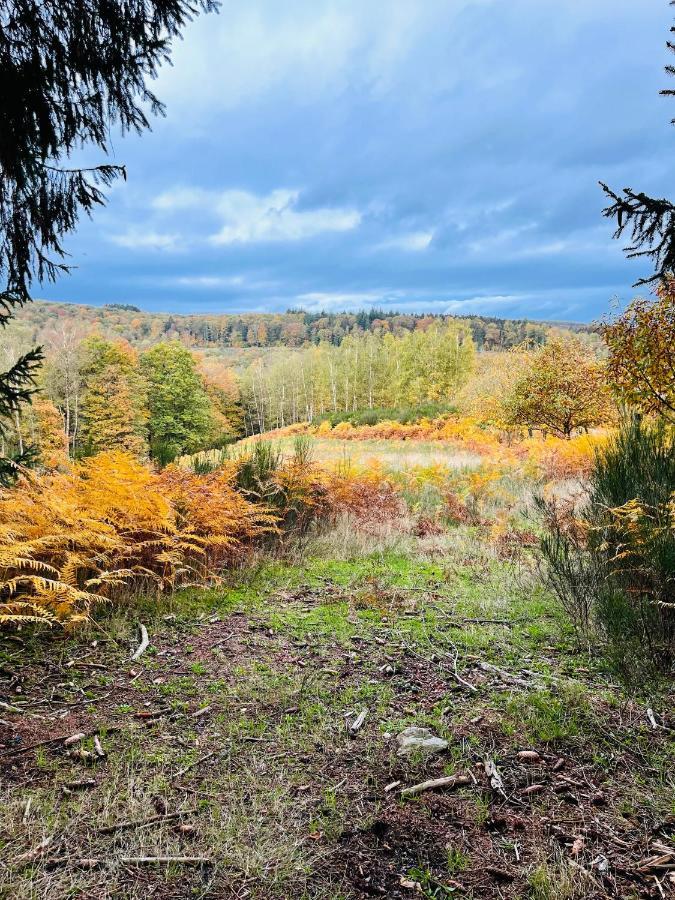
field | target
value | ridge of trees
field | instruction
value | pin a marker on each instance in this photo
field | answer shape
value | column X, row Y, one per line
column 295, row 328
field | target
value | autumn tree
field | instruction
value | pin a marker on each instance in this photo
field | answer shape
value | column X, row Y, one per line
column 180, row 416
column 113, row 412
column 641, row 345
column 564, row 388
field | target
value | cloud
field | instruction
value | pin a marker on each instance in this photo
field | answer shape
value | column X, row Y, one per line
column 248, row 218
column 414, row 241
column 139, row 239
column 209, row 281
column 405, row 154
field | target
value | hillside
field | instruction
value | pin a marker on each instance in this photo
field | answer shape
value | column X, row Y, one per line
column 295, row 328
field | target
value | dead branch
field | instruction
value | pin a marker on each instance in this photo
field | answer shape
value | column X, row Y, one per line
column 143, row 646
column 141, row 823
column 451, row 781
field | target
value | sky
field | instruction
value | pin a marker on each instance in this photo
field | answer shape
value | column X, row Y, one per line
column 412, row 155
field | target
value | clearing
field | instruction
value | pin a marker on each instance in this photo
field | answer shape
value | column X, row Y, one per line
column 229, row 746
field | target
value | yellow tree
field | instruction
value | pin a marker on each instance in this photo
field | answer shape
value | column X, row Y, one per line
column 564, row 388
column 642, row 353
column 113, row 415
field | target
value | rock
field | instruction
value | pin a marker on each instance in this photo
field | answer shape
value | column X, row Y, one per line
column 419, row 740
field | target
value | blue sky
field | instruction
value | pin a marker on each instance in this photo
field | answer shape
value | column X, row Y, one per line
column 418, row 155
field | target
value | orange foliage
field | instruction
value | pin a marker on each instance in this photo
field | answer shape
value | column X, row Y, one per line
column 69, row 541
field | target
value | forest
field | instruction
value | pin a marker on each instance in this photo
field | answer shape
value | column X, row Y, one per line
column 295, row 328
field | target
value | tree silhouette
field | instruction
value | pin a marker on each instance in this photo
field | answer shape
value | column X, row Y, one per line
column 70, row 70
column 649, row 221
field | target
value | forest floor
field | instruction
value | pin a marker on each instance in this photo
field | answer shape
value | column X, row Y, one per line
column 226, row 762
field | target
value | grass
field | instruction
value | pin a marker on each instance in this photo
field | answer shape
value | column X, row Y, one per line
column 239, row 716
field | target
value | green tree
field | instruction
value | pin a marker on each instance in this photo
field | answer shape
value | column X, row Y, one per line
column 563, row 388
column 113, row 413
column 180, row 414
column 69, row 69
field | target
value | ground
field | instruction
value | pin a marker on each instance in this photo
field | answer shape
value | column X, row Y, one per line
column 229, row 742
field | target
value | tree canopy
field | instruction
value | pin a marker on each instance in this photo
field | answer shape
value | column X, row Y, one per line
column 563, row 389
column 642, row 353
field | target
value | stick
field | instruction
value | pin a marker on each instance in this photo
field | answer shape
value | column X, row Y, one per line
column 357, row 724
column 143, row 646
column 452, row 781
column 507, row 676
column 140, row 823
column 109, row 729
column 458, row 677
column 160, row 860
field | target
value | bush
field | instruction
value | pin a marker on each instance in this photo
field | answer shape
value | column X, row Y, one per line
column 405, row 416
column 612, row 562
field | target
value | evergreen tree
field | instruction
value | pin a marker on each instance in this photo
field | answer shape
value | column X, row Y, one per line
column 650, row 221
column 69, row 70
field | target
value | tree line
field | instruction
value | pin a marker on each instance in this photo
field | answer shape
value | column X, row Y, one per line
column 97, row 395
column 366, row 371
column 295, row 328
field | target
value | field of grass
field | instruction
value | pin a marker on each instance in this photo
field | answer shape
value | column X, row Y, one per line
column 390, row 455
column 224, row 762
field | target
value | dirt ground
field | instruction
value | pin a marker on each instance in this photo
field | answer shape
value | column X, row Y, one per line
column 225, row 761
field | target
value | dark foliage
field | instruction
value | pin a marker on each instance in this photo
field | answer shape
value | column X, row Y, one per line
column 405, row 415
column 612, row 562
column 69, row 70
column 649, row 221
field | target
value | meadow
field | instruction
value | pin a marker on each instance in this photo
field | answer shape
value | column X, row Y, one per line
column 252, row 750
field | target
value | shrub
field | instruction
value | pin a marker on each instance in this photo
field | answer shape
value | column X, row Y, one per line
column 612, row 562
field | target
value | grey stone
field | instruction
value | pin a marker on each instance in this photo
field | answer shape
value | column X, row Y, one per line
column 419, row 740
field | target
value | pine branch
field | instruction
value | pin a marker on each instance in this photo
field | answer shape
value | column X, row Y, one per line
column 651, row 224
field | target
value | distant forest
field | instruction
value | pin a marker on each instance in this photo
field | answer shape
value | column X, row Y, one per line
column 295, row 328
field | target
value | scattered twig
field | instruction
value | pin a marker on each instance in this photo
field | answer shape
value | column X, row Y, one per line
column 451, row 781
column 357, row 724
column 458, row 677
column 143, row 646
column 506, row 676
column 166, row 860
column 141, row 823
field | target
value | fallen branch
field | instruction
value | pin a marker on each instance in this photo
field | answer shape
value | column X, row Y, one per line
column 143, row 646
column 141, row 823
column 451, row 781
column 167, row 860
column 506, row 676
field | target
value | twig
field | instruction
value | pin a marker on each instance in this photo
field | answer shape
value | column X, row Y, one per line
column 141, row 823
column 166, row 860
column 197, row 762
column 452, row 781
column 458, row 677
column 58, row 740
column 357, row 724
column 507, row 676
column 143, row 646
